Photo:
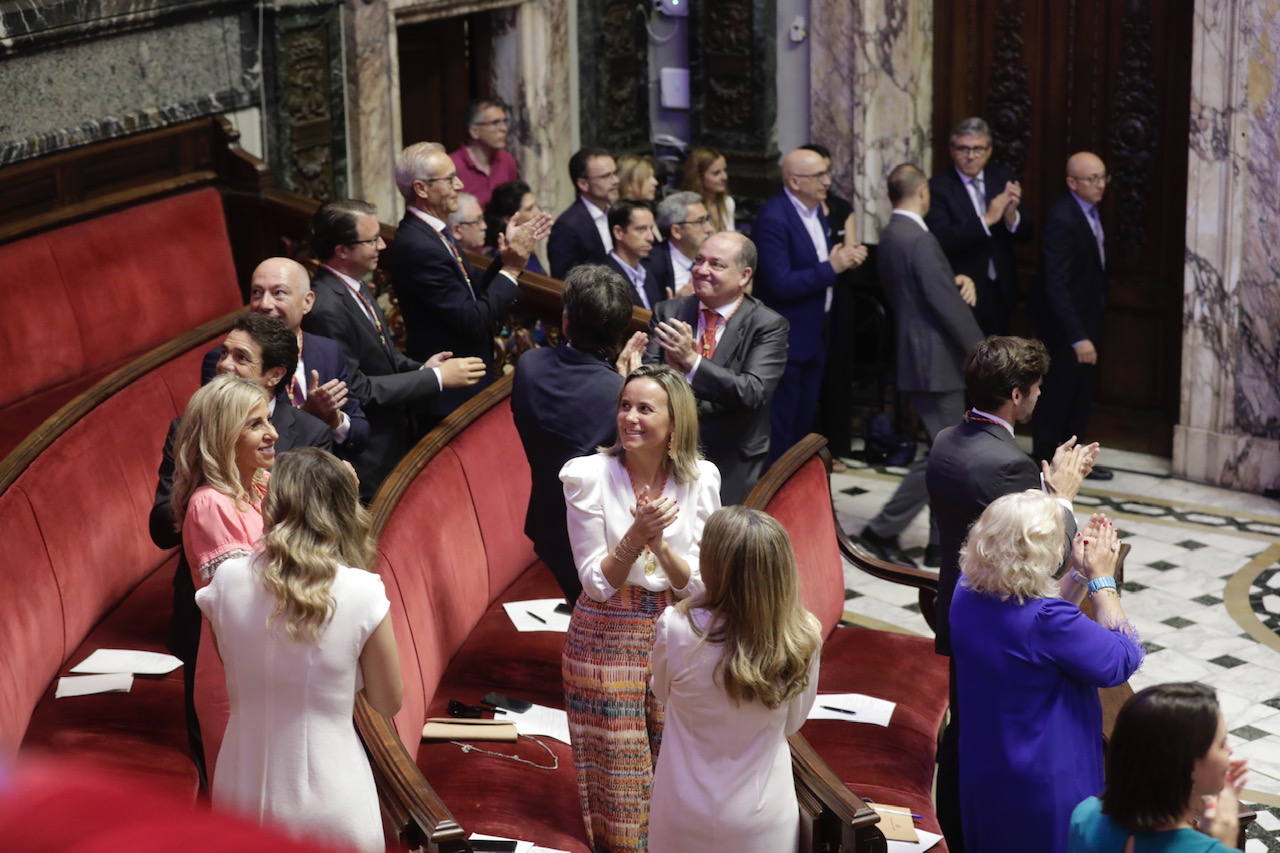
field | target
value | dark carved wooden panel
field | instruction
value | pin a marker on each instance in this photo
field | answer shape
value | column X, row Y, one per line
column 305, row 120
column 445, row 63
column 613, row 75
column 1112, row 77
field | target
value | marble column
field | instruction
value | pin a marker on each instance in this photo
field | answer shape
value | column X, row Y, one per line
column 871, row 95
column 1229, row 424
column 373, row 105
column 531, row 71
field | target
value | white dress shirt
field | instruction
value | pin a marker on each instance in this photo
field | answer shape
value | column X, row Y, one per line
column 598, row 501
column 725, row 311
column 812, row 222
column 601, row 219
column 681, row 266
column 637, row 276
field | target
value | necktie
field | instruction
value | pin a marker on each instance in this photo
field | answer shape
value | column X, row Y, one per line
column 1095, row 222
column 710, row 322
column 295, row 392
column 457, row 259
column 979, row 195
column 373, row 315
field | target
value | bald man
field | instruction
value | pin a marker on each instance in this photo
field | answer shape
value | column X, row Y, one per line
column 796, row 278
column 281, row 288
column 1069, row 303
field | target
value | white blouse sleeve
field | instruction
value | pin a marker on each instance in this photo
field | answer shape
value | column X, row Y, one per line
column 583, row 481
column 706, row 500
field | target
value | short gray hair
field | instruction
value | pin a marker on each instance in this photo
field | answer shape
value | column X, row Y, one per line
column 971, row 125
column 1014, row 548
column 463, row 199
column 411, row 165
column 674, row 208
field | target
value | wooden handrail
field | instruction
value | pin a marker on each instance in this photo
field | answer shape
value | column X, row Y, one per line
column 60, row 421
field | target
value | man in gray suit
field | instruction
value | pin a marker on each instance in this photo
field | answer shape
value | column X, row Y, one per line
column 973, row 463
column 733, row 350
column 935, row 330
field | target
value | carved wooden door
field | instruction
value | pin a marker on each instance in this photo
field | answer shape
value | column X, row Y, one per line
column 1112, row 77
column 444, row 65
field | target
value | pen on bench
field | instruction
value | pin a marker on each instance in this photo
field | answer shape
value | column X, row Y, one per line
column 841, row 710
column 536, row 616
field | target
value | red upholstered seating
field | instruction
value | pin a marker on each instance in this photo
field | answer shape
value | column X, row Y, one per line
column 895, row 764
column 82, row 300
column 81, row 574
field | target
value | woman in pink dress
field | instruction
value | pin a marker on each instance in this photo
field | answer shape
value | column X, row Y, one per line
column 222, row 455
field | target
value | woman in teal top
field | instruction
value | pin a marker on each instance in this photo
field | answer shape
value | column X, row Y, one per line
column 1171, row 786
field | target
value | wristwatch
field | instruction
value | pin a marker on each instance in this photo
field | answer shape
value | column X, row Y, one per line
column 1101, row 583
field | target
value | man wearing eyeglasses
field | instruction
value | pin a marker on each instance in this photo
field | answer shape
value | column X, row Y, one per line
column 483, row 161
column 1070, row 303
column 448, row 305
column 581, row 233
column 685, row 225
column 796, row 278
column 976, row 214
column 467, row 225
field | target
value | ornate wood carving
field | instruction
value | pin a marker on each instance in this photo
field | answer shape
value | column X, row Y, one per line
column 1135, row 126
column 307, row 134
column 613, row 72
column 732, row 61
column 1009, row 102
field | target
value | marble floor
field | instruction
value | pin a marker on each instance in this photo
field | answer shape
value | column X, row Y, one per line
column 1202, row 586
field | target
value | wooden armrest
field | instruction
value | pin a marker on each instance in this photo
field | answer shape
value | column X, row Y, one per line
column 856, row 553
column 839, row 819
column 408, row 801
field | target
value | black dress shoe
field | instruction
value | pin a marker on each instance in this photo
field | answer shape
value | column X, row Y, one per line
column 1100, row 473
column 932, row 556
column 886, row 548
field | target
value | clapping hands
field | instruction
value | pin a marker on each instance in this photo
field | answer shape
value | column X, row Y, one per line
column 652, row 516
column 1096, row 549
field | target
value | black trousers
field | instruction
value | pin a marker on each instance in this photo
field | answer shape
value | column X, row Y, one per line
column 1066, row 398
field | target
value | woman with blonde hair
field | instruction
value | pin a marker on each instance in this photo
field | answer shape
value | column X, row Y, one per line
column 1028, row 665
column 706, row 173
column 301, row 628
column 635, row 513
column 738, row 672
column 637, row 180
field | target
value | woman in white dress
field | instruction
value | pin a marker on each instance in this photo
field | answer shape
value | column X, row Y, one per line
column 635, row 514
column 738, row 672
column 299, row 632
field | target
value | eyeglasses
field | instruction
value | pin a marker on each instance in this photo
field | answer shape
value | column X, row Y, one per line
column 491, row 122
column 822, row 176
column 705, row 220
column 470, row 221
column 603, row 177
column 971, row 150
column 1093, row 180
column 450, row 178
column 372, row 241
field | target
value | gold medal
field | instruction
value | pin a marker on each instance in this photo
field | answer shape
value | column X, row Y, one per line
column 650, row 562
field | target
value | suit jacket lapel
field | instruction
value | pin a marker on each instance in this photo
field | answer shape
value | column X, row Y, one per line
column 733, row 331
column 357, row 314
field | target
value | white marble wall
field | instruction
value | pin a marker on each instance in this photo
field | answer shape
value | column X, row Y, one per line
column 871, row 94
column 1229, row 424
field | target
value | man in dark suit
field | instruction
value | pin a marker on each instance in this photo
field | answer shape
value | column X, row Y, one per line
column 281, row 288
column 1070, row 304
column 733, row 350
column 973, row 463
column 685, row 224
column 934, row 331
column 565, row 400
column 446, row 305
column 797, row 274
column 261, row 349
column 975, row 212
column 388, row 384
column 631, row 226
column 581, row 232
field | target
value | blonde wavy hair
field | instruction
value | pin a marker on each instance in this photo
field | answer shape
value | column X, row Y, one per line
column 696, row 165
column 682, row 408
column 633, row 170
column 312, row 524
column 769, row 639
column 204, row 451
column 1014, row 547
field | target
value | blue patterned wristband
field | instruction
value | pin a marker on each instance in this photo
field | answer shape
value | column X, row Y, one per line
column 1101, row 583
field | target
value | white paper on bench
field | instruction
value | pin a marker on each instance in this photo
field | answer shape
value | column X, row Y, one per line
column 126, row 660
column 84, row 685
column 927, row 840
column 865, row 709
column 521, row 846
column 525, row 614
column 541, row 720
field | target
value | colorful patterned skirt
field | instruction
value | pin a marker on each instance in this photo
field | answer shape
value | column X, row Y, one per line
column 615, row 723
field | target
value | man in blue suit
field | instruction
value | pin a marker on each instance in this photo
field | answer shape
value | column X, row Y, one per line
column 565, row 401
column 798, row 269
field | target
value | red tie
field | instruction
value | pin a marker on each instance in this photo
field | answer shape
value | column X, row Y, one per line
column 295, row 392
column 710, row 322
